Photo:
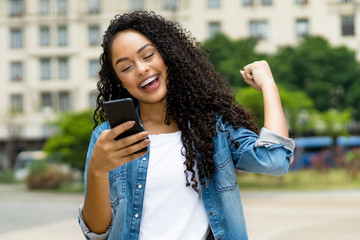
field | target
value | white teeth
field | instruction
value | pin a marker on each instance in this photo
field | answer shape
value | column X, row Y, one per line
column 143, row 84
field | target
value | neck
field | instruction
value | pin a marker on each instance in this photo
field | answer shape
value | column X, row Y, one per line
column 153, row 118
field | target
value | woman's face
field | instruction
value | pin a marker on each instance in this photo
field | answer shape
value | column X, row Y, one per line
column 139, row 66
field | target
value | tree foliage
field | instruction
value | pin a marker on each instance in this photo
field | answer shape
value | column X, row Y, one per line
column 301, row 115
column 294, row 103
column 70, row 143
column 324, row 72
column 229, row 56
column 331, row 122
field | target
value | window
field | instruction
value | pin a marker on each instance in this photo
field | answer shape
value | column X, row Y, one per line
column 137, row 5
column 259, row 29
column 45, row 69
column 214, row 27
column 266, row 2
column 16, row 103
column 94, row 68
column 93, row 6
column 17, row 8
column 15, row 129
column 62, row 7
column 301, row 2
column 248, row 2
column 92, row 99
column 94, row 35
column 16, row 71
column 302, row 27
column 347, row 26
column 62, row 36
column 46, row 101
column 45, row 39
column 44, row 7
column 64, row 102
column 171, row 4
column 16, row 38
column 63, row 68
column 213, row 3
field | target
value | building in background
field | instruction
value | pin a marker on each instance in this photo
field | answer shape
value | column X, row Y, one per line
column 50, row 48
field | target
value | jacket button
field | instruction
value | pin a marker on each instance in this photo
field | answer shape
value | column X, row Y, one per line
column 211, row 213
column 136, row 215
column 220, row 238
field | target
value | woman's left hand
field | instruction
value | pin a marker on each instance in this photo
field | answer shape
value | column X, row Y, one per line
column 258, row 75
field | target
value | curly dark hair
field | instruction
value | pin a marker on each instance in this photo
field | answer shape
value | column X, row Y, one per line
column 197, row 93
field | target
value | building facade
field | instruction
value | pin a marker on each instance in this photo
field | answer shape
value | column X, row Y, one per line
column 50, row 48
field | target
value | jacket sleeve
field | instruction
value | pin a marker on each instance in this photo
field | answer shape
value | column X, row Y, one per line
column 86, row 231
column 269, row 153
column 270, row 138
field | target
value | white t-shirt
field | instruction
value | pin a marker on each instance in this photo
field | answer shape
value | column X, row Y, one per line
column 170, row 209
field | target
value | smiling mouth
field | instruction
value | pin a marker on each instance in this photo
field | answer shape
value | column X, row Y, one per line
column 148, row 81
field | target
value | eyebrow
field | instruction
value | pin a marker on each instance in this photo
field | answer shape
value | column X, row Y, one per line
column 137, row 52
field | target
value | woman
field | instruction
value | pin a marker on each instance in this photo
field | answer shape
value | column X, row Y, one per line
column 185, row 185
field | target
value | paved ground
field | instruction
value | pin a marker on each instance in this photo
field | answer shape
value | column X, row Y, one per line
column 322, row 215
column 325, row 215
column 38, row 215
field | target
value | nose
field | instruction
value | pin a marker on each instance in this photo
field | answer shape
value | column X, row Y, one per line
column 141, row 69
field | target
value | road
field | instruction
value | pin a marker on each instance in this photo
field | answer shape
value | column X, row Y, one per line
column 38, row 215
column 318, row 215
column 314, row 215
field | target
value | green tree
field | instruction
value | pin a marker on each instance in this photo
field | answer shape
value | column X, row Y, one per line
column 300, row 113
column 353, row 98
column 331, row 122
column 324, row 72
column 229, row 56
column 70, row 143
column 296, row 105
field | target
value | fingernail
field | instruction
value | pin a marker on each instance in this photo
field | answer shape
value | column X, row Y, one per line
column 130, row 123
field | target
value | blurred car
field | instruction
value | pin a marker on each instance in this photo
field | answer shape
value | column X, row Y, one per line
column 24, row 160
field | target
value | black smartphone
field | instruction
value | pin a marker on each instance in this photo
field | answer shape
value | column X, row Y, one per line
column 120, row 111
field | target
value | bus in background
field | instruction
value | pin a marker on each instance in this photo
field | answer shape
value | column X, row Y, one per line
column 343, row 146
column 323, row 152
column 312, row 152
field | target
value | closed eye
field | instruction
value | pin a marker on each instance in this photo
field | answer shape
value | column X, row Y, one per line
column 149, row 56
column 126, row 69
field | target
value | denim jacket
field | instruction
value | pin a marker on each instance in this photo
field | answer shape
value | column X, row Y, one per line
column 268, row 153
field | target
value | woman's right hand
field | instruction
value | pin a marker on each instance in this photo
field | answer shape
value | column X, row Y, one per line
column 108, row 154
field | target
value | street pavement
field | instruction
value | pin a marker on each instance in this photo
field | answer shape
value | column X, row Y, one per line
column 317, row 215
column 38, row 215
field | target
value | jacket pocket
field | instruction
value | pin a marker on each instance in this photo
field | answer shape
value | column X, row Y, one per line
column 224, row 175
column 117, row 179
